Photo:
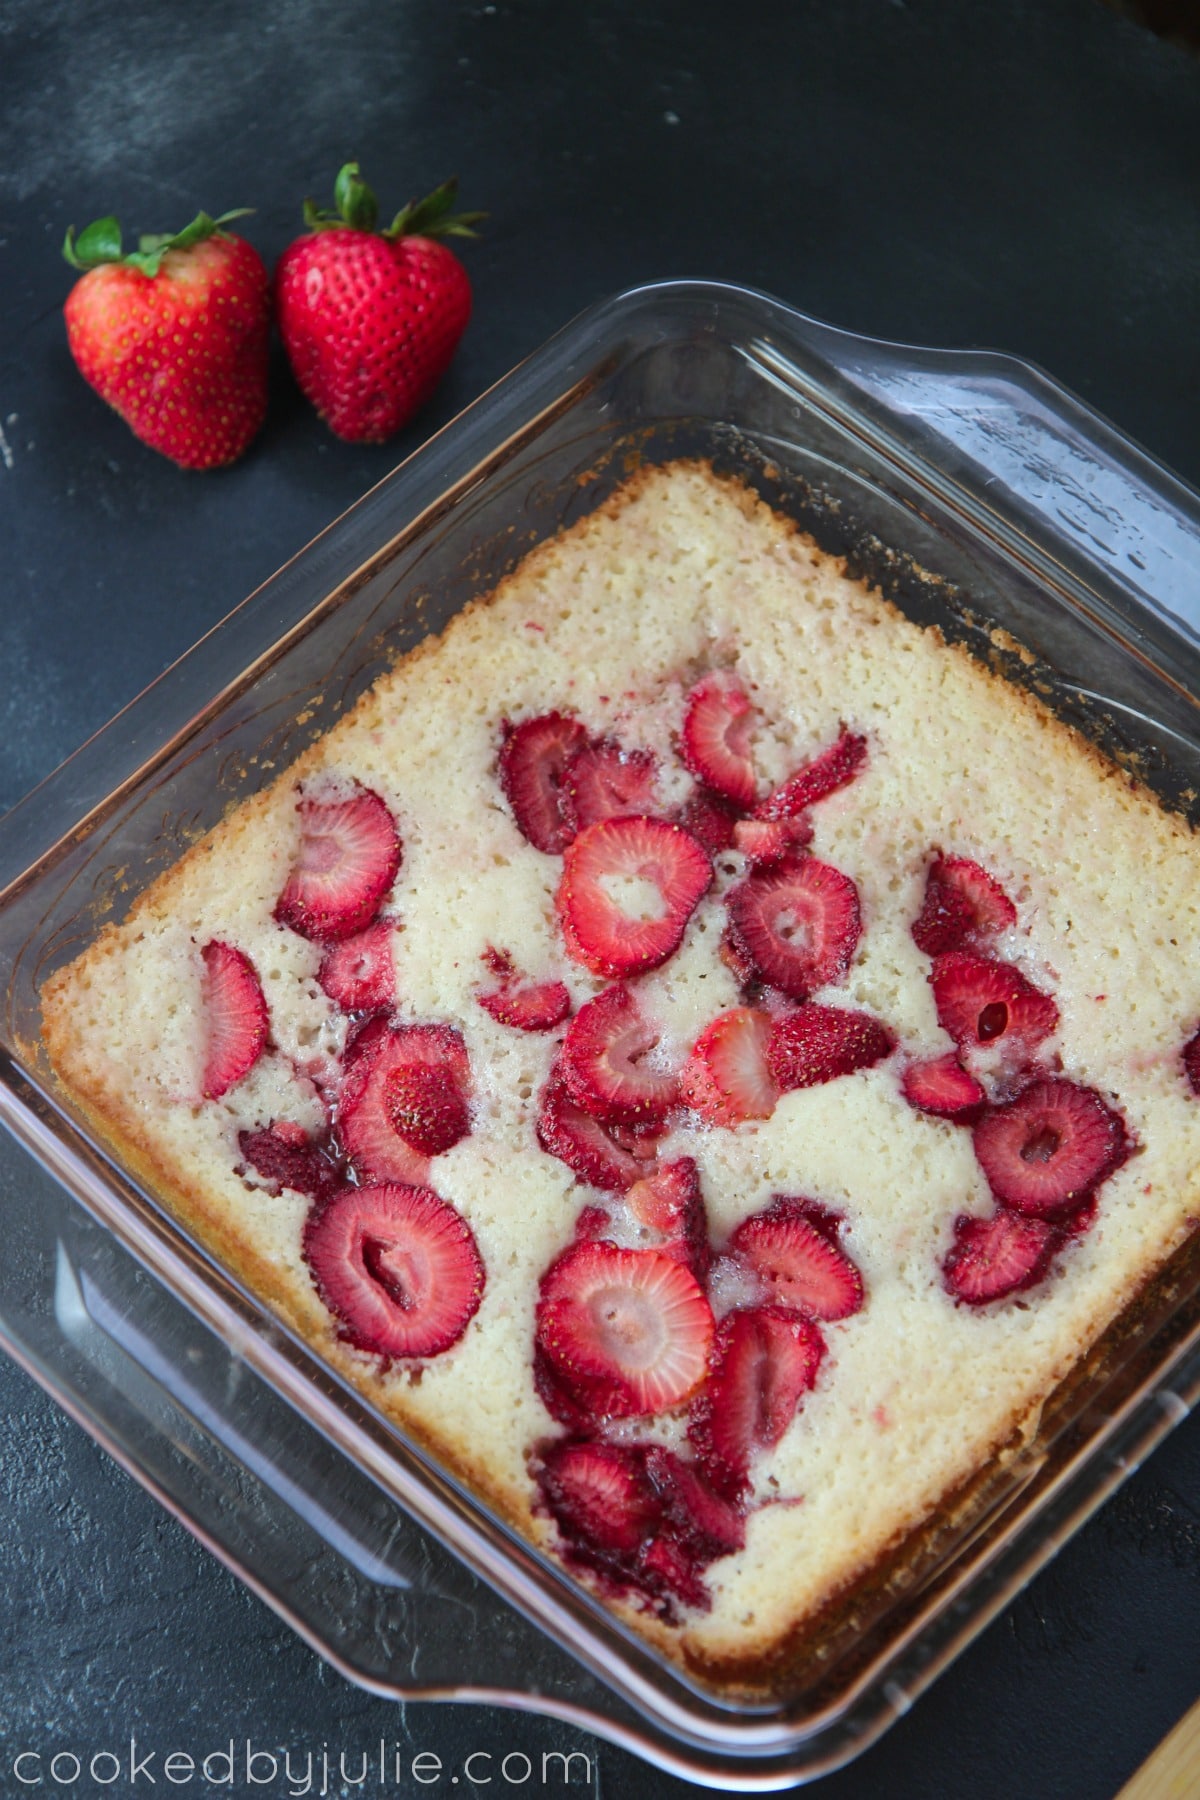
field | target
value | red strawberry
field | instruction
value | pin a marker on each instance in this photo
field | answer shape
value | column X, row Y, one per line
column 963, row 905
column 630, row 1330
column 993, row 1258
column 669, row 1204
column 736, row 960
column 602, row 781
column 284, row 1154
column 726, row 1078
column 533, row 762
column 820, row 1043
column 982, row 1002
column 833, row 769
column 358, row 974
column 629, row 888
column 599, row 1495
column 802, row 1266
column 1048, row 1148
column 1191, row 1062
column 525, row 1005
column 174, row 335
column 235, row 1018
column 608, row 1158
column 404, row 1099
column 709, row 819
column 798, row 922
column 702, row 1522
column 943, row 1087
column 764, row 1361
column 398, row 1266
column 348, row 857
column 605, row 1064
column 766, row 841
column 717, row 723
column 370, row 319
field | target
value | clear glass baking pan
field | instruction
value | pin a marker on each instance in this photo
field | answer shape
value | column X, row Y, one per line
column 984, row 499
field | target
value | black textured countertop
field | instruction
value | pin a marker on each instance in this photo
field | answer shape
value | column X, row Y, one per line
column 1017, row 175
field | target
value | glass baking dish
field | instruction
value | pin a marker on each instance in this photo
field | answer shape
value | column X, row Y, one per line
column 983, row 499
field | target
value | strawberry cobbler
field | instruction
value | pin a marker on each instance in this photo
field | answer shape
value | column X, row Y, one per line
column 699, row 1052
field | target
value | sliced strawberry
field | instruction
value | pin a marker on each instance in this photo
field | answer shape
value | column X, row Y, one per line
column 1191, row 1062
column 832, row 769
column 798, row 922
column 404, row 1099
column 630, row 1329
column 767, row 841
column 604, row 1063
column 764, row 1361
column 426, row 1106
column 710, row 819
column 726, row 1078
column 284, row 1154
column 602, row 781
column 572, row 1406
column 348, row 857
column 963, row 906
column 593, row 1222
column 612, row 1159
column 669, row 1203
column 717, row 724
column 599, row 1494
column 993, row 1258
column 814, row 1044
column 702, row 1522
column 736, row 960
column 800, row 1264
column 398, row 1266
column 235, row 1018
column 537, row 1006
column 358, row 974
column 629, row 888
column 533, row 761
column 1050, row 1147
column 943, row 1087
column 982, row 1003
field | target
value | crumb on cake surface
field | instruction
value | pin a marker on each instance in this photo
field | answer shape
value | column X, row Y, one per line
column 681, row 573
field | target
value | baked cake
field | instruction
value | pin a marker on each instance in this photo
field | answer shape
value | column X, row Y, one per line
column 703, row 1054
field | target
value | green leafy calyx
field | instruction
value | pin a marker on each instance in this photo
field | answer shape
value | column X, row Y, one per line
column 358, row 210
column 100, row 242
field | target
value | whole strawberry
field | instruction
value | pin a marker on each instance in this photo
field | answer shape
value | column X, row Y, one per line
column 174, row 335
column 370, row 319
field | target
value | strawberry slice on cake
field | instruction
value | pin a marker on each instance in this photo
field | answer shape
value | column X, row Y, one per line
column 533, row 763
column 726, row 1079
column 397, row 1266
column 348, row 857
column 603, row 781
column 834, row 768
column 404, row 1100
column 607, row 1063
column 718, row 721
column 797, row 1259
column 628, row 1330
column 765, row 1359
column 235, row 1017
column 628, row 889
column 798, row 923
column 963, row 908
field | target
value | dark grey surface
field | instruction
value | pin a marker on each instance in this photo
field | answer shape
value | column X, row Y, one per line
column 1017, row 175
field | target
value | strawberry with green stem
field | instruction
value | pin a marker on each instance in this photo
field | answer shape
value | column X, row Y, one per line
column 173, row 335
column 371, row 319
